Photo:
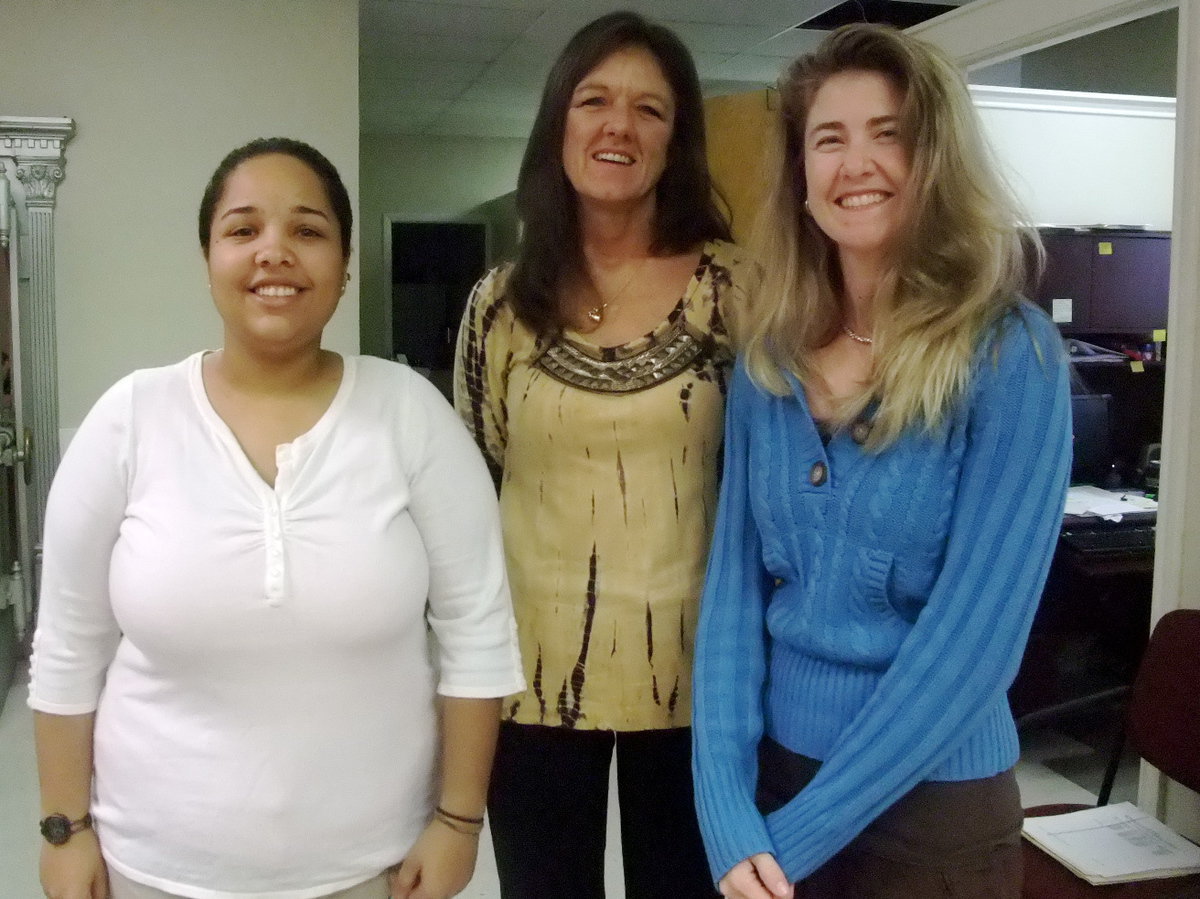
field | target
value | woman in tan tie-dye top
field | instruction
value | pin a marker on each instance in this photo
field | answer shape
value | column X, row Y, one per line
column 593, row 375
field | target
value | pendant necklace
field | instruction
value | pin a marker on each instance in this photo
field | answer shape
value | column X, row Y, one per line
column 595, row 314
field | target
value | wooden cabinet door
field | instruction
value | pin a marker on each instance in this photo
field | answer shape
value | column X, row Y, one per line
column 1067, row 279
column 1130, row 281
column 1109, row 282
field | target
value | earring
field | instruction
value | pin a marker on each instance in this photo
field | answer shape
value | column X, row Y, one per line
column 807, row 208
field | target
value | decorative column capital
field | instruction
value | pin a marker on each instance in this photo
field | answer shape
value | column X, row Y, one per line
column 39, row 180
column 36, row 144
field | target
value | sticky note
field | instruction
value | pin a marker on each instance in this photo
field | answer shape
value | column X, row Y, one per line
column 1060, row 310
column 1160, row 334
column 1104, row 248
column 1136, row 366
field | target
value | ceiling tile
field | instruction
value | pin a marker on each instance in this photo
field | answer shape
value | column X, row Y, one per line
column 386, row 91
column 703, row 37
column 790, row 44
column 375, row 45
column 778, row 14
column 507, row 4
column 453, row 19
column 410, row 69
column 504, row 93
column 749, row 67
column 492, row 56
column 406, row 115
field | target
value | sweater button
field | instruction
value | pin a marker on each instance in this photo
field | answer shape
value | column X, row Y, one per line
column 818, row 475
column 860, row 431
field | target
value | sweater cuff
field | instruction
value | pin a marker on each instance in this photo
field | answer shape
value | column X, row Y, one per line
column 733, row 828
column 803, row 839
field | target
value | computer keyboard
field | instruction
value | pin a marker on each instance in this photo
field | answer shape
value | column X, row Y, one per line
column 1110, row 541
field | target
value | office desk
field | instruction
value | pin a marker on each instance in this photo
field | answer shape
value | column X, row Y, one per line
column 1090, row 628
column 1138, row 560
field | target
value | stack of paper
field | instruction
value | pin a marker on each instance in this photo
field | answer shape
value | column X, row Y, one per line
column 1110, row 504
column 1113, row 844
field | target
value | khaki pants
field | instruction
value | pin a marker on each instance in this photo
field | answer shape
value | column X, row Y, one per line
column 121, row 887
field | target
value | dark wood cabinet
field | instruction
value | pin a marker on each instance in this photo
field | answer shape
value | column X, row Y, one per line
column 1107, row 281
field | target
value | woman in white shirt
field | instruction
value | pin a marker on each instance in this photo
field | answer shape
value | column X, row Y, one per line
column 244, row 553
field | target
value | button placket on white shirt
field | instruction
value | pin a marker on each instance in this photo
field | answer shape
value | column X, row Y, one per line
column 273, row 529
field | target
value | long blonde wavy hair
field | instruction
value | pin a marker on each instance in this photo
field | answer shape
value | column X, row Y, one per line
column 958, row 265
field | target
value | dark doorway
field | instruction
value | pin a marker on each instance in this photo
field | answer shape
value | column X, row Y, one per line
column 434, row 267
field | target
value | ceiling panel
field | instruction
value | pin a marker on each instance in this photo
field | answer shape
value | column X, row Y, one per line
column 748, row 67
column 492, row 56
column 406, row 44
column 724, row 12
column 472, row 22
column 405, row 114
column 421, row 70
column 790, row 44
column 704, row 37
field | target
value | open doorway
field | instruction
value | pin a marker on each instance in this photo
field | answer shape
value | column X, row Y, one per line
column 433, row 266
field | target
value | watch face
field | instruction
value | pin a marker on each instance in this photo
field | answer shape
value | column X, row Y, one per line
column 56, row 829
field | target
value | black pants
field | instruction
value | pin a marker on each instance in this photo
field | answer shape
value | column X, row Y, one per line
column 941, row 840
column 548, row 809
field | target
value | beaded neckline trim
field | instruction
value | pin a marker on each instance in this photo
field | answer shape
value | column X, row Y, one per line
column 666, row 355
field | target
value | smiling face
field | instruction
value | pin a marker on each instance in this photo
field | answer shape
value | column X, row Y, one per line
column 618, row 128
column 857, row 165
column 275, row 260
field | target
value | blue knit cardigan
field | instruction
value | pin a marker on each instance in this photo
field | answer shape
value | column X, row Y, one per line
column 870, row 609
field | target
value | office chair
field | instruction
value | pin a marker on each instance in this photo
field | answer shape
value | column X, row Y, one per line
column 1162, row 724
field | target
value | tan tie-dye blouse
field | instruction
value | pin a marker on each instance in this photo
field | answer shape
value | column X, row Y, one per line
column 608, row 461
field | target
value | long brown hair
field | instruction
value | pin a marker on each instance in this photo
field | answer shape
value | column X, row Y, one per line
column 686, row 213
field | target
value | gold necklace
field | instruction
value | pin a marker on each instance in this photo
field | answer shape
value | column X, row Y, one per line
column 595, row 314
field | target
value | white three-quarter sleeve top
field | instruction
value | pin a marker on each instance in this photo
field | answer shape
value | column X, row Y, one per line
column 259, row 657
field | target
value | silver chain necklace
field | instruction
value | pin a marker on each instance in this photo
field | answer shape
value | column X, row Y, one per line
column 857, row 338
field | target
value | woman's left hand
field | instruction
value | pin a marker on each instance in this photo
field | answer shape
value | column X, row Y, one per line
column 438, row 866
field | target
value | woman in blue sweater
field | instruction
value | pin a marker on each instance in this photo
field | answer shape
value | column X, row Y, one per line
column 897, row 451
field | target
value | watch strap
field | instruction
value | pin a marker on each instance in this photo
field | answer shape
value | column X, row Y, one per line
column 58, row 828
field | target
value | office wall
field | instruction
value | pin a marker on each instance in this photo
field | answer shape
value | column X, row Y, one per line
column 160, row 91
column 429, row 179
column 1084, row 159
column 1137, row 57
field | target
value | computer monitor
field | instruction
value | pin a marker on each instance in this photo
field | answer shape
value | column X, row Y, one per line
column 1091, row 426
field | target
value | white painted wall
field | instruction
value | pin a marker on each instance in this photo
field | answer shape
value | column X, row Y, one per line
column 160, row 91
column 1084, row 159
column 429, row 179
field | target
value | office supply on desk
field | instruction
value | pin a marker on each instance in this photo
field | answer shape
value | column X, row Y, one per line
column 1085, row 500
column 1082, row 351
column 1162, row 725
column 1113, row 844
column 1103, row 524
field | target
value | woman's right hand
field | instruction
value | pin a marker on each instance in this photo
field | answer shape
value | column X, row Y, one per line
column 74, row 870
column 757, row 877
